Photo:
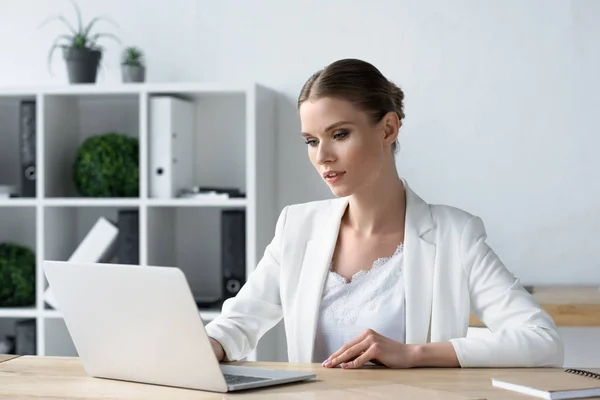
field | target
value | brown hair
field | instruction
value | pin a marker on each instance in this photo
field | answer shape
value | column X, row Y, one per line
column 360, row 83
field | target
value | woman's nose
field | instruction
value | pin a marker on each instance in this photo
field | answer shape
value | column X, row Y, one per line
column 324, row 154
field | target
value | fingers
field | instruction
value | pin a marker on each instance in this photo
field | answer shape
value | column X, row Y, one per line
column 348, row 355
column 369, row 333
column 362, row 359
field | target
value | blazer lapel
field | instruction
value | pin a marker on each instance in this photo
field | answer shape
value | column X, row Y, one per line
column 419, row 256
column 317, row 258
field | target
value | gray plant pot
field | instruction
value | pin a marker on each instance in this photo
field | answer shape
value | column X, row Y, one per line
column 133, row 73
column 82, row 64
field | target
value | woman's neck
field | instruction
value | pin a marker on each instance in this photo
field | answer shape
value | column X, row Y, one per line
column 379, row 208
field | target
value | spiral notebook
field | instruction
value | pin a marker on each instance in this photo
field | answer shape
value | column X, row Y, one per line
column 553, row 384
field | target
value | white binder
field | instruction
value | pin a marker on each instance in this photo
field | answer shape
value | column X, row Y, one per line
column 171, row 125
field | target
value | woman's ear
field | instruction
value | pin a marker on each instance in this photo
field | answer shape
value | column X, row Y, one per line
column 391, row 126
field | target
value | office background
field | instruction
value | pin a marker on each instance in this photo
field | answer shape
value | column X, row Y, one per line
column 501, row 97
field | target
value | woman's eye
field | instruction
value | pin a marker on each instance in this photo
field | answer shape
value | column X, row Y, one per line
column 311, row 142
column 340, row 134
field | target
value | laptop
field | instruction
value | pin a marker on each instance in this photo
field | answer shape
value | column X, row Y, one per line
column 142, row 324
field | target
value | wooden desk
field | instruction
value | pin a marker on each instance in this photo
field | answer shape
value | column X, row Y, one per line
column 6, row 357
column 57, row 377
column 568, row 306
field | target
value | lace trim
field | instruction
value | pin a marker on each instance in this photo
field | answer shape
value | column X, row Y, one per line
column 374, row 293
column 376, row 264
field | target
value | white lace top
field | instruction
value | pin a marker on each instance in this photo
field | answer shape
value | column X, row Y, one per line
column 373, row 299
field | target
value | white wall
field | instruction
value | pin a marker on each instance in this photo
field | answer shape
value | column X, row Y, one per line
column 501, row 97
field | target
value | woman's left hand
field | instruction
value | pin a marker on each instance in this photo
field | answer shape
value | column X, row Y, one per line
column 371, row 346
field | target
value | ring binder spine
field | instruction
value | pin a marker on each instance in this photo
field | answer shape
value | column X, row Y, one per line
column 582, row 372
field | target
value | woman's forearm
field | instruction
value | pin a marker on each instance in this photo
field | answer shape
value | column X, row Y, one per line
column 217, row 349
column 435, row 355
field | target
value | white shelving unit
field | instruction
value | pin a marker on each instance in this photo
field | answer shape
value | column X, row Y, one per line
column 234, row 147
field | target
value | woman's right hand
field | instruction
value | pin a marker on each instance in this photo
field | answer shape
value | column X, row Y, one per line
column 217, row 349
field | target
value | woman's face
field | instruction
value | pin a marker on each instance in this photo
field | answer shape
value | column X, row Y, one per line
column 346, row 149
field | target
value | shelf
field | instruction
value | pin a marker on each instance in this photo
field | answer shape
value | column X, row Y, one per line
column 89, row 116
column 25, row 312
column 233, row 127
column 130, row 88
column 18, row 202
column 204, row 202
column 51, row 314
column 11, row 120
column 67, row 226
column 57, row 341
column 125, row 202
column 18, row 225
column 189, row 145
column 192, row 239
column 91, row 202
column 18, row 335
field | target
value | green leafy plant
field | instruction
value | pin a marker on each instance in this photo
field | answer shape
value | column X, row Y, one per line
column 80, row 38
column 133, row 56
column 107, row 165
column 17, row 275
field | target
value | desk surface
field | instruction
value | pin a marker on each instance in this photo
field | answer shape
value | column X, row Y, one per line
column 6, row 357
column 61, row 377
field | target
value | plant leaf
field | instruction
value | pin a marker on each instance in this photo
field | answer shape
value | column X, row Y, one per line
column 95, row 37
column 132, row 55
column 60, row 18
column 96, row 19
column 79, row 18
column 55, row 45
column 79, row 42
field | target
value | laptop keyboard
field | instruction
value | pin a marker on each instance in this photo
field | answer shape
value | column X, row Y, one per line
column 237, row 379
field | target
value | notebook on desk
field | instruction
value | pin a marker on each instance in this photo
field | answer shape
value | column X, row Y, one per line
column 554, row 384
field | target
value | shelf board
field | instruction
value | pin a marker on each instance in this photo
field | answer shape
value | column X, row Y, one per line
column 24, row 312
column 129, row 88
column 128, row 202
column 198, row 202
column 91, row 202
column 50, row 313
column 18, row 202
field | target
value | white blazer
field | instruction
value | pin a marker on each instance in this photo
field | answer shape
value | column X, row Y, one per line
column 449, row 272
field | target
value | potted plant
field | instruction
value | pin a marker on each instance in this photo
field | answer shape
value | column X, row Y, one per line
column 107, row 165
column 17, row 275
column 80, row 48
column 132, row 65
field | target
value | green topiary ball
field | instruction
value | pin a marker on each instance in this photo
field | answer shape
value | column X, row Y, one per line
column 107, row 165
column 17, row 276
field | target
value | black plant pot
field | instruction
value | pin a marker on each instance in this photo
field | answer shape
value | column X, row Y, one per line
column 82, row 64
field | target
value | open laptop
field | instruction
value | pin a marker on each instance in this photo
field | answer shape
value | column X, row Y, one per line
column 141, row 324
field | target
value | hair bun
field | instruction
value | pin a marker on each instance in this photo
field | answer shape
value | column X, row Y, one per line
column 398, row 98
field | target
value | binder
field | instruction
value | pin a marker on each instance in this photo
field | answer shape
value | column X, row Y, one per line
column 128, row 251
column 171, row 142
column 27, row 147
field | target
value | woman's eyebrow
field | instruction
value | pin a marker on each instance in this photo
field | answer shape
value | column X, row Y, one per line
column 332, row 126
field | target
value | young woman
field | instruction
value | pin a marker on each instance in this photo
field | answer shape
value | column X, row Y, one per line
column 377, row 275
